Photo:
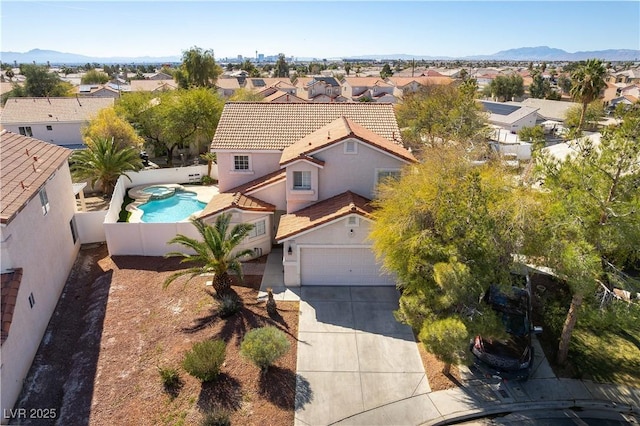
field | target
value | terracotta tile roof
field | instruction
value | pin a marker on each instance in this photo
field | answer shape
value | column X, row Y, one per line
column 228, row 83
column 337, row 131
column 282, row 97
column 403, row 81
column 47, row 110
column 274, row 126
column 261, row 182
column 323, row 212
column 235, row 200
column 10, row 286
column 25, row 165
column 366, row 82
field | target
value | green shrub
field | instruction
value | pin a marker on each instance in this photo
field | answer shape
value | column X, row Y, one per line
column 170, row 377
column 264, row 345
column 228, row 305
column 205, row 359
column 216, row 417
column 208, row 180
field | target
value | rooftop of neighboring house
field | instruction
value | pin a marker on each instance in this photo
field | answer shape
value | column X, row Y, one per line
column 152, row 85
column 366, row 82
column 25, row 166
column 548, row 109
column 404, row 81
column 274, row 126
column 228, row 83
column 280, row 96
column 56, row 110
column 503, row 112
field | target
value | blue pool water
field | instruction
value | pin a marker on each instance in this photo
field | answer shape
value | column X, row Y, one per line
column 176, row 208
column 159, row 191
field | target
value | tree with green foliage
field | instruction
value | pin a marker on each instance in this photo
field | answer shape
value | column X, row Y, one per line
column 108, row 125
column 540, row 87
column 448, row 229
column 198, row 69
column 592, row 225
column 535, row 135
column 506, row 87
column 587, row 81
column 103, row 161
column 174, row 119
column 94, row 77
column 215, row 252
column 564, row 83
column 347, row 68
column 281, row 68
column 438, row 113
column 40, row 83
column 210, row 157
column 386, row 71
column 246, row 95
column 589, row 117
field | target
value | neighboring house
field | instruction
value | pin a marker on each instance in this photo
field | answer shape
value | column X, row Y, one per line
column 39, row 244
column 510, row 117
column 227, row 86
column 320, row 89
column 631, row 76
column 153, row 85
column 278, row 96
column 261, row 83
column 97, row 91
column 55, row 120
column 547, row 109
column 622, row 100
column 160, row 76
column 304, row 175
column 406, row 85
column 368, row 88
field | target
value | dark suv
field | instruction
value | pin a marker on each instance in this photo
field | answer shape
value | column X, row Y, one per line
column 510, row 358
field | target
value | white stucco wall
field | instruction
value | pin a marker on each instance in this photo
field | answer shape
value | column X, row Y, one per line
column 60, row 133
column 260, row 244
column 43, row 247
column 260, row 164
column 273, row 194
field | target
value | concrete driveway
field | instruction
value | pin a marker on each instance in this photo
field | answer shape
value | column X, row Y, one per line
column 354, row 358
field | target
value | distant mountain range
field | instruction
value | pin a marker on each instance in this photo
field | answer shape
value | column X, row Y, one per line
column 540, row 53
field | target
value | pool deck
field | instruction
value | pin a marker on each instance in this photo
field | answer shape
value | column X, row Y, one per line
column 203, row 194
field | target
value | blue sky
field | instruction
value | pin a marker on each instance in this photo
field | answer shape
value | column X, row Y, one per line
column 321, row 29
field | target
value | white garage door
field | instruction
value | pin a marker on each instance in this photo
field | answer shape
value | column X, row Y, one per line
column 341, row 266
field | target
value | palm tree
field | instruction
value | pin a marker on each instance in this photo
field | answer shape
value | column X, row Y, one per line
column 587, row 83
column 214, row 254
column 210, row 158
column 103, row 161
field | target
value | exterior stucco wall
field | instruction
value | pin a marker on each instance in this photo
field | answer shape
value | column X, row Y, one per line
column 260, row 244
column 260, row 164
column 42, row 245
column 353, row 172
column 60, row 133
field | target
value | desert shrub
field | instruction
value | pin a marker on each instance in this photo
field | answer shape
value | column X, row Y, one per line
column 205, row 359
column 170, row 377
column 216, row 417
column 208, row 180
column 228, row 305
column 264, row 345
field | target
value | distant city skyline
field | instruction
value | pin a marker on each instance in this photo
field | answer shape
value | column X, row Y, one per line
column 320, row 29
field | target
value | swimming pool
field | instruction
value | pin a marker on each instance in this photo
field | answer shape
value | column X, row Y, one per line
column 175, row 208
column 159, row 191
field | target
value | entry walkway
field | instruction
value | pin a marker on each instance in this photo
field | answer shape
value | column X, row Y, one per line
column 354, row 357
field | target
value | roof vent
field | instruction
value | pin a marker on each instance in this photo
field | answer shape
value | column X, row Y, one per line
column 328, row 134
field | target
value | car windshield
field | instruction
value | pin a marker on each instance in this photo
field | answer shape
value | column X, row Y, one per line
column 515, row 324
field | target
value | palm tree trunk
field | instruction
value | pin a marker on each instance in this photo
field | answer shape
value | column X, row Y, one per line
column 567, row 329
column 221, row 283
column 583, row 114
column 446, row 369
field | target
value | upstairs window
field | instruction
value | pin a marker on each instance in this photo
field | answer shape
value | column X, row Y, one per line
column 44, row 201
column 386, row 175
column 25, row 131
column 301, row 180
column 241, row 162
column 259, row 228
column 350, row 147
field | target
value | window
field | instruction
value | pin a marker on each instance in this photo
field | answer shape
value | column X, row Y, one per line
column 350, row 147
column 259, row 228
column 49, row 127
column 25, row 131
column 74, row 230
column 301, row 180
column 240, row 162
column 352, row 221
column 32, row 300
column 384, row 175
column 44, row 200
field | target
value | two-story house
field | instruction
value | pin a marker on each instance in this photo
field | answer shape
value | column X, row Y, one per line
column 372, row 89
column 305, row 174
column 55, row 120
column 39, row 244
column 320, row 89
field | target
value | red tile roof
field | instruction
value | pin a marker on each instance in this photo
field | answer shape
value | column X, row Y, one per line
column 25, row 165
column 261, row 182
column 323, row 212
column 10, row 286
column 274, row 126
column 236, row 200
column 337, row 131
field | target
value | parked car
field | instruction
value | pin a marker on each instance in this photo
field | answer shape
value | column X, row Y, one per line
column 510, row 358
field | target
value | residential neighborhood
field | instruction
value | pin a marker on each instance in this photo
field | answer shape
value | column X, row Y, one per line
column 280, row 241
